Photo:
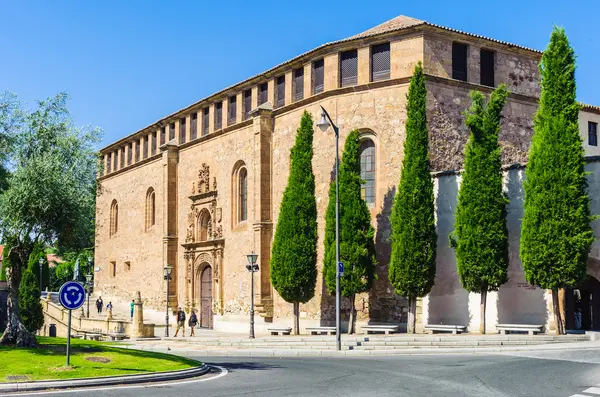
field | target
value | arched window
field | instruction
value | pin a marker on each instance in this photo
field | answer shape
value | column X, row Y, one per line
column 114, row 218
column 204, row 227
column 243, row 193
column 150, row 209
column 239, row 194
column 367, row 170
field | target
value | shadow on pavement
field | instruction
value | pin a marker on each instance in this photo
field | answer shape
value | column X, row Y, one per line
column 240, row 366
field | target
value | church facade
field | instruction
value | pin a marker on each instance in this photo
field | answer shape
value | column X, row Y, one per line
column 201, row 188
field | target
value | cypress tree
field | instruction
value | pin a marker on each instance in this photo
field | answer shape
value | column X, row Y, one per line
column 33, row 263
column 32, row 315
column 480, row 235
column 357, row 246
column 294, row 254
column 556, row 234
column 414, row 240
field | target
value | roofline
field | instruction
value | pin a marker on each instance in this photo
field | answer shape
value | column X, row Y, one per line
column 416, row 27
column 590, row 108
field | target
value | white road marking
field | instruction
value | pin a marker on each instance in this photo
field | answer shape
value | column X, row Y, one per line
column 578, row 395
column 143, row 386
column 592, row 390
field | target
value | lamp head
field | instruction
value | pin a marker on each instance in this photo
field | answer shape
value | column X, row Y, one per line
column 324, row 123
column 252, row 258
column 167, row 270
column 88, row 277
column 41, row 260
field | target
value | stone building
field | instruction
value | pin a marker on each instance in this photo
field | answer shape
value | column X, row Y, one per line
column 201, row 188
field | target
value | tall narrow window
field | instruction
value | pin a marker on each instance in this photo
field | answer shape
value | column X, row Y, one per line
column 114, row 218
column 367, row 170
column 154, row 139
column 182, row 130
column 163, row 134
column 122, row 157
column 138, row 149
column 247, row 104
column 486, row 70
column 205, row 121
column 263, row 93
column 298, row 84
column 204, row 226
column 108, row 163
column 130, row 153
column 243, row 199
column 146, row 146
column 592, row 133
column 194, row 126
column 459, row 61
column 218, row 115
column 232, row 110
column 318, row 79
column 150, row 208
column 348, row 68
column 280, row 92
column 380, row 62
column 113, row 269
column 171, row 132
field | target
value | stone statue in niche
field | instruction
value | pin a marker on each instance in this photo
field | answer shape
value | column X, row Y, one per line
column 204, row 179
column 213, row 206
column 219, row 214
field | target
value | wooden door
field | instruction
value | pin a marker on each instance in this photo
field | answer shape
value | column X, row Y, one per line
column 206, row 314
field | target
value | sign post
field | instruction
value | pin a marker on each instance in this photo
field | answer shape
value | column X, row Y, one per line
column 72, row 296
column 341, row 268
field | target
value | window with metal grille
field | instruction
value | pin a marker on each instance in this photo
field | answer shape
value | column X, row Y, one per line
column 182, row 130
column 348, row 68
column 146, row 139
column 367, row 170
column 122, row 157
column 138, row 149
column 247, row 104
column 205, row 121
column 108, row 163
column 459, row 61
column 218, row 115
column 154, row 139
column 592, row 133
column 280, row 92
column 232, row 110
column 171, row 132
column 298, row 84
column 163, row 133
column 130, row 153
column 243, row 199
column 380, row 62
column 193, row 126
column 318, row 76
column 486, row 71
column 263, row 93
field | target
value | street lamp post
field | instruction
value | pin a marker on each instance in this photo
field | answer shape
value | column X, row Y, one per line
column 88, row 283
column 167, row 275
column 252, row 267
column 324, row 125
column 41, row 262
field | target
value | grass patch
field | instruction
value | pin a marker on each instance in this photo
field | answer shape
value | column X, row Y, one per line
column 48, row 360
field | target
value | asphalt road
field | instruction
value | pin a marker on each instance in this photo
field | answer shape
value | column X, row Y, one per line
column 548, row 374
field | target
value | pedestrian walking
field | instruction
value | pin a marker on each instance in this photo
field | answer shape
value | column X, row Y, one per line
column 131, row 306
column 99, row 304
column 193, row 322
column 180, row 322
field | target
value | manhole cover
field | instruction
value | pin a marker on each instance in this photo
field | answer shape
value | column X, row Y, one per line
column 18, row 377
column 99, row 359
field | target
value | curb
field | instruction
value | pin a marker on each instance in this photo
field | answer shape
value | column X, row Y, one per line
column 104, row 381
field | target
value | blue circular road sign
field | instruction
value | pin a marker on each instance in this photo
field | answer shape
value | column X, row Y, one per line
column 72, row 295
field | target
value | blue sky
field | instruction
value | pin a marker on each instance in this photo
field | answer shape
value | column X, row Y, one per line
column 128, row 63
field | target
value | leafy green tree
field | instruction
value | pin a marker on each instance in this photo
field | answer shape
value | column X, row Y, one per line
column 33, row 264
column 294, row 255
column 414, row 240
column 480, row 235
column 357, row 246
column 32, row 314
column 556, row 234
column 51, row 194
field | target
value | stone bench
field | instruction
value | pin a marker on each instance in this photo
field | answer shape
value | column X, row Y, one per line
column 91, row 336
column 454, row 329
column 321, row 330
column 117, row 336
column 387, row 329
column 277, row 330
column 531, row 329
